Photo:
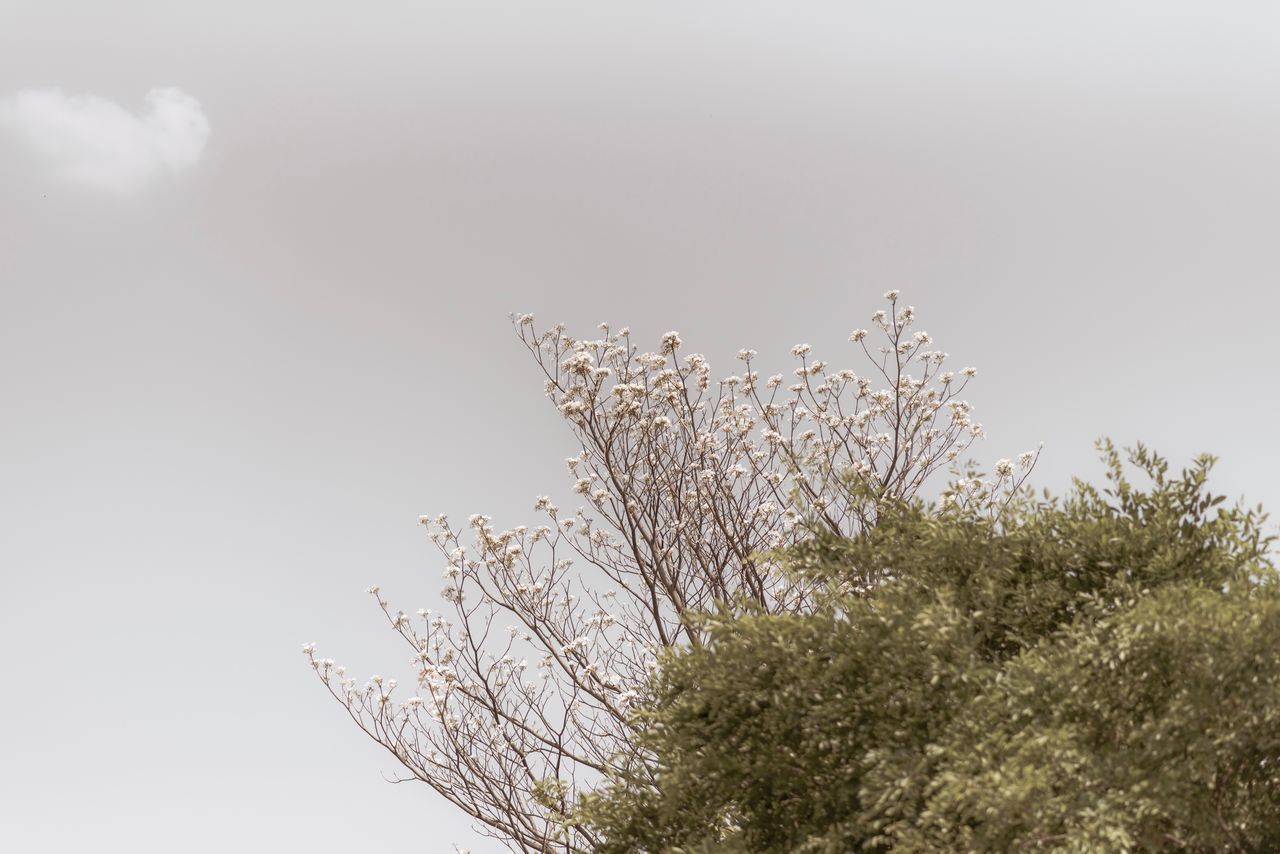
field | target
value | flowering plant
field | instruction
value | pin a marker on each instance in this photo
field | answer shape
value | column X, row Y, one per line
column 687, row 488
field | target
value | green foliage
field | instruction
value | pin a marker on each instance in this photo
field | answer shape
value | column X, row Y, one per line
column 1094, row 673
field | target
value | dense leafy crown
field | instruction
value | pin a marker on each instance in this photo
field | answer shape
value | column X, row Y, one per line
column 1098, row 672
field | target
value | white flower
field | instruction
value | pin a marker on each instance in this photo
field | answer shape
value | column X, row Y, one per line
column 372, row 589
column 579, row 363
column 1026, row 458
column 857, row 335
column 800, row 350
column 308, row 648
column 746, row 355
column 891, row 295
column 969, row 372
column 1004, row 468
column 670, row 343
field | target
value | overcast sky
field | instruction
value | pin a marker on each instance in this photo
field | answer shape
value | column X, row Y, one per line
column 256, row 260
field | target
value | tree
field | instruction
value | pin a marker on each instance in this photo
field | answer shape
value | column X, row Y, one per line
column 688, row 486
column 1096, row 673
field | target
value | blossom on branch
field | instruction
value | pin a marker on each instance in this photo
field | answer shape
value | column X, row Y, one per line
column 689, row 487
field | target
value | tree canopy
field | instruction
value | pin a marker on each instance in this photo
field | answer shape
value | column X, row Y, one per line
column 1092, row 672
column 684, row 490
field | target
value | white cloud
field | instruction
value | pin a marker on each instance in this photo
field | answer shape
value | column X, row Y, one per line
column 95, row 142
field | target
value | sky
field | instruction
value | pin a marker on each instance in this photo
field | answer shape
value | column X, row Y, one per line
column 256, row 261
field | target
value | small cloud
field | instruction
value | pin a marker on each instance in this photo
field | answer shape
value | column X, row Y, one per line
column 95, row 142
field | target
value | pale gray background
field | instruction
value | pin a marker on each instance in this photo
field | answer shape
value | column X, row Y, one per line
column 226, row 399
